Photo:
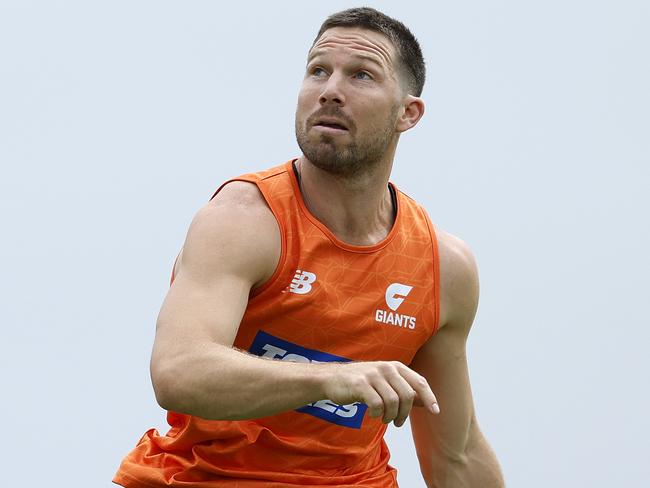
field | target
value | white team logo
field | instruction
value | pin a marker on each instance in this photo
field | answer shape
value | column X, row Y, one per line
column 395, row 295
column 301, row 282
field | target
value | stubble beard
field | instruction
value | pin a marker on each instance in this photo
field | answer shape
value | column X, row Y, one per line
column 351, row 159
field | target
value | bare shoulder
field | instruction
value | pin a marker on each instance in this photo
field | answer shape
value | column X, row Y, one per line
column 235, row 232
column 459, row 284
column 241, row 194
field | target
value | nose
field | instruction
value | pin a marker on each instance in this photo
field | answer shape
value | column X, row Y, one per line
column 332, row 92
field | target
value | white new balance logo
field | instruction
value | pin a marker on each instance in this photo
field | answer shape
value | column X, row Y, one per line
column 302, row 282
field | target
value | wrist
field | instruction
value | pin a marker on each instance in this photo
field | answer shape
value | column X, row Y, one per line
column 321, row 378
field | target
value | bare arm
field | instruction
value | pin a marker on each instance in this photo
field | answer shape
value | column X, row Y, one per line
column 451, row 448
column 233, row 245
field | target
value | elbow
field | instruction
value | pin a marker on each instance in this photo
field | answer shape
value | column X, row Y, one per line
column 166, row 381
column 165, row 397
column 179, row 388
column 175, row 388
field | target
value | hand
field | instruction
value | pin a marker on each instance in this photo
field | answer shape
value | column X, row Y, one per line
column 389, row 388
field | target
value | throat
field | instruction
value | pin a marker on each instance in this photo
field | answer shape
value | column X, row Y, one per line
column 346, row 222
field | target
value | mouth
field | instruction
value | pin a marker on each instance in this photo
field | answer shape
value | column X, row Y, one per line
column 330, row 125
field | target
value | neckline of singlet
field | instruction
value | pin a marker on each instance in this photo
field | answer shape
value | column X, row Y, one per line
column 391, row 190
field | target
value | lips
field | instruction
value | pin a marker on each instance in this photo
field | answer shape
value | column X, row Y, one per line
column 332, row 126
column 331, row 123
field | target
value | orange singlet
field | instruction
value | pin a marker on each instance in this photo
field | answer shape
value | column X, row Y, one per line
column 326, row 301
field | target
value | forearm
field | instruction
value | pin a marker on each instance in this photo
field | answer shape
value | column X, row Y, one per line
column 477, row 467
column 481, row 471
column 220, row 383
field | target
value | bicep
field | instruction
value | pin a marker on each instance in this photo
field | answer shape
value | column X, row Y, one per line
column 231, row 247
column 197, row 311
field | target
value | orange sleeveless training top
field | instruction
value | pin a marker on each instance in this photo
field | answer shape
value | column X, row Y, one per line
column 326, row 301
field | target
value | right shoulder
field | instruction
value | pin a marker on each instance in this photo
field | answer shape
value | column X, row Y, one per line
column 240, row 193
column 235, row 232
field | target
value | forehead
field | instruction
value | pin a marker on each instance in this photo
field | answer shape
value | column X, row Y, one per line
column 355, row 41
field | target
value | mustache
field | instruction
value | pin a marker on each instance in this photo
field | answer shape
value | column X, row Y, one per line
column 329, row 112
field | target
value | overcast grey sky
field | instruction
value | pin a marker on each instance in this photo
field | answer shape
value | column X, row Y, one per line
column 118, row 119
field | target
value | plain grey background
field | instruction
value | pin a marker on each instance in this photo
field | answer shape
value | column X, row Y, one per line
column 118, row 120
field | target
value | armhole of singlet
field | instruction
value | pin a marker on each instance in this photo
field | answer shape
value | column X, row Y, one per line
column 256, row 292
column 436, row 273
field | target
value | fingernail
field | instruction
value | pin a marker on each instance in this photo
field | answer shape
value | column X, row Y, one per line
column 435, row 409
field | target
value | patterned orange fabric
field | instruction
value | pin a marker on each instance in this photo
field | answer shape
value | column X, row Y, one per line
column 327, row 301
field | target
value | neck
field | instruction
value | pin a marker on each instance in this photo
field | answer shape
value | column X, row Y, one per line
column 358, row 211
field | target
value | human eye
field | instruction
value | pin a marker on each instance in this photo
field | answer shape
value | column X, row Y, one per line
column 363, row 75
column 317, row 71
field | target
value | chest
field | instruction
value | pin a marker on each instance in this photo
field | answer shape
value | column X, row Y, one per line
column 375, row 306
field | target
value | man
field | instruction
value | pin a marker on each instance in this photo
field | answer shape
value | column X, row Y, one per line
column 313, row 303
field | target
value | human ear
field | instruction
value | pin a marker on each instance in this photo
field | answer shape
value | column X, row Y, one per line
column 413, row 110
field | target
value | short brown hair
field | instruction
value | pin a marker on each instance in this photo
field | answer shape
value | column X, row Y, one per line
column 407, row 46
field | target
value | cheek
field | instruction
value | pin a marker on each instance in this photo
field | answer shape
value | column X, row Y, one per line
column 374, row 114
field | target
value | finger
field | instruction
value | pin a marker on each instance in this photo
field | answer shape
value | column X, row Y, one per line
column 390, row 400
column 374, row 401
column 406, row 397
column 424, row 396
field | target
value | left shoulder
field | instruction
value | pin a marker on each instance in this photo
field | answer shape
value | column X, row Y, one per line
column 459, row 285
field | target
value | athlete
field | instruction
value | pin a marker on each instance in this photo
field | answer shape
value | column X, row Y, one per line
column 313, row 302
